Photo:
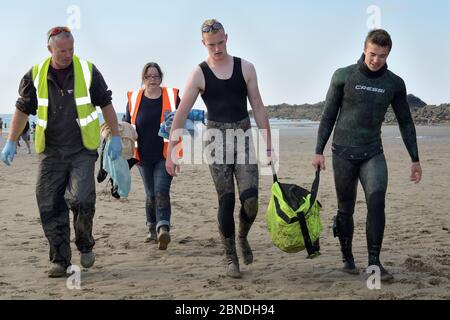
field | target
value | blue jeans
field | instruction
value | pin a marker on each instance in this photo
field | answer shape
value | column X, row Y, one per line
column 157, row 189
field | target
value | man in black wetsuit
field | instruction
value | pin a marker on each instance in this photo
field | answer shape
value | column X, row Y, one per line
column 225, row 82
column 356, row 104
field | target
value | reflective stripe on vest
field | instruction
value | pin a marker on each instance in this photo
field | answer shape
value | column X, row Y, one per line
column 92, row 117
column 134, row 97
column 87, row 113
column 42, row 123
column 169, row 104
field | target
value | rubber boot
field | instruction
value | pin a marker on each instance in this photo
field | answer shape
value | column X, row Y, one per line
column 347, row 256
column 232, row 258
column 343, row 229
column 374, row 260
column 246, row 250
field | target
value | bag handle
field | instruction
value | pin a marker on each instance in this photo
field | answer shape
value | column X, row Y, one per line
column 315, row 184
column 275, row 178
column 315, row 187
column 311, row 249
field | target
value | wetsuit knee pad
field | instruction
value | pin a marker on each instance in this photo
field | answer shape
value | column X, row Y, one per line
column 162, row 200
column 346, row 208
column 343, row 225
column 225, row 214
column 249, row 204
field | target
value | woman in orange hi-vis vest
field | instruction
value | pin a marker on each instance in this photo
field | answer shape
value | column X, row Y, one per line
column 145, row 110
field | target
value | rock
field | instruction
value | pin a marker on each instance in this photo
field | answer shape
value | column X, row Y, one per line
column 415, row 102
column 422, row 114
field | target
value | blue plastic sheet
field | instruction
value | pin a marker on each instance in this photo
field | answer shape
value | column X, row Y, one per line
column 119, row 172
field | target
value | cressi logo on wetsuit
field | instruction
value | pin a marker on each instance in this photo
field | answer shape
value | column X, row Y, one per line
column 372, row 89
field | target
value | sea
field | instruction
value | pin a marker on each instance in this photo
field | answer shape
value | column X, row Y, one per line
column 274, row 122
column 300, row 126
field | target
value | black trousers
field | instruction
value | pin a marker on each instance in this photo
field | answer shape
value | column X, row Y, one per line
column 66, row 181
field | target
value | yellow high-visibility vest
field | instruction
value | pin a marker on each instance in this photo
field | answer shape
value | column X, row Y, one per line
column 87, row 113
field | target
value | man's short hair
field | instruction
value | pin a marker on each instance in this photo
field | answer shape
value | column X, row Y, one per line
column 60, row 32
column 211, row 25
column 379, row 37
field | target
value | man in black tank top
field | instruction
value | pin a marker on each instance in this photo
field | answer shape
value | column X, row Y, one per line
column 225, row 83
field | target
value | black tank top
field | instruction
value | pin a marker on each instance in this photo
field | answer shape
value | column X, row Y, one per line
column 225, row 100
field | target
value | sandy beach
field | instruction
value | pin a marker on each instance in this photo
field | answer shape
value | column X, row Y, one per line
column 416, row 243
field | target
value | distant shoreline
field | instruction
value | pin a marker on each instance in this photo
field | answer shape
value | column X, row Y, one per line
column 425, row 115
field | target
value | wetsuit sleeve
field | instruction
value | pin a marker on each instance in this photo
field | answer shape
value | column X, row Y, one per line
column 27, row 101
column 333, row 103
column 127, row 117
column 405, row 121
column 100, row 95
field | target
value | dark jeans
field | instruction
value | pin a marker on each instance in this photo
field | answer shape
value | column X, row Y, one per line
column 66, row 180
column 157, row 189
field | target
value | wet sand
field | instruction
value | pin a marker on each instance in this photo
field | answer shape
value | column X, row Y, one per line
column 415, row 250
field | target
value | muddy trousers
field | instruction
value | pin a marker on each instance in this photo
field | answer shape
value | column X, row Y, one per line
column 374, row 178
column 66, row 181
column 247, row 181
column 235, row 153
column 234, row 158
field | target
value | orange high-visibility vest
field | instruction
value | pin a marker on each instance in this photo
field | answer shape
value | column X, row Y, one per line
column 169, row 96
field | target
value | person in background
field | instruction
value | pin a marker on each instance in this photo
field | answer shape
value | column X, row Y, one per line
column 145, row 110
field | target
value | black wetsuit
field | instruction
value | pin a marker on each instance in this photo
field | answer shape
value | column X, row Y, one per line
column 356, row 104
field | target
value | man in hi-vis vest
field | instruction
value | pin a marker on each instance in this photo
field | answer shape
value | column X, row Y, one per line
column 63, row 91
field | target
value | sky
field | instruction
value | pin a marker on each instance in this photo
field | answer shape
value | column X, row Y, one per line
column 295, row 46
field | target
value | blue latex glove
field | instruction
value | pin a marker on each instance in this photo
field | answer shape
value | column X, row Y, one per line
column 115, row 149
column 8, row 152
